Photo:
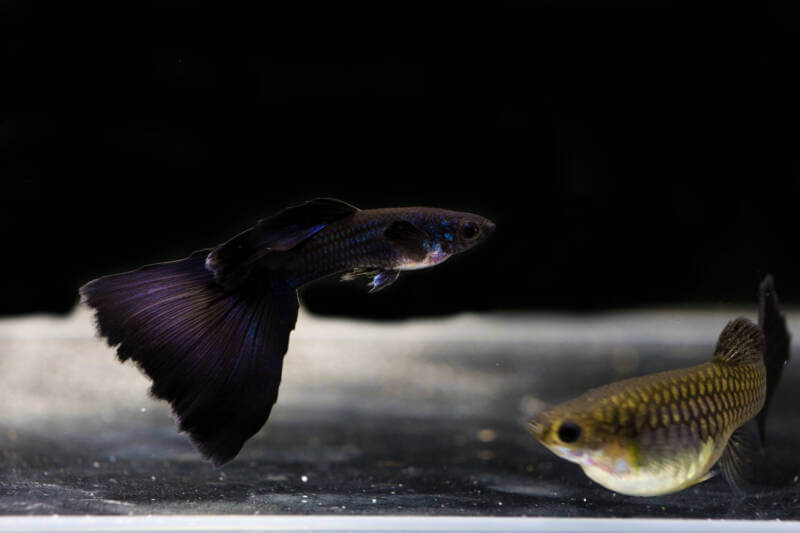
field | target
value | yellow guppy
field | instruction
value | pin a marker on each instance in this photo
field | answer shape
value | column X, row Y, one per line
column 664, row 432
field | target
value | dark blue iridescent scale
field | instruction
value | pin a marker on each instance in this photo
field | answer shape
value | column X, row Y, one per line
column 355, row 242
column 342, row 246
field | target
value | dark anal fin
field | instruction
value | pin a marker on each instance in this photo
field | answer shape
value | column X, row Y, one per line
column 216, row 356
column 407, row 239
column 740, row 343
column 742, row 459
column 778, row 341
column 232, row 261
column 359, row 272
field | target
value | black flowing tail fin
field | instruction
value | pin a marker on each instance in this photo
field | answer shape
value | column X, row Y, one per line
column 215, row 355
column 778, row 340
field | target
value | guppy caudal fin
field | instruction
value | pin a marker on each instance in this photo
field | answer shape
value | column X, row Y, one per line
column 215, row 355
column 741, row 462
column 778, row 339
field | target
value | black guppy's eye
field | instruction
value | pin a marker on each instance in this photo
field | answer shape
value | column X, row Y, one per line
column 470, row 230
column 569, row 432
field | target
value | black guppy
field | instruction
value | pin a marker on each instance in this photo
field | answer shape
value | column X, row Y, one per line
column 211, row 330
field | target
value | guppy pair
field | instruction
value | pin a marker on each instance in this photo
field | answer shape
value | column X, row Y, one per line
column 211, row 332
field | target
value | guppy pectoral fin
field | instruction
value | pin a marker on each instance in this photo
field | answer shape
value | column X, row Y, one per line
column 383, row 280
column 380, row 278
column 705, row 477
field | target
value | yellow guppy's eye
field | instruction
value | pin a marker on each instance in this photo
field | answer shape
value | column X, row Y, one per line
column 569, row 432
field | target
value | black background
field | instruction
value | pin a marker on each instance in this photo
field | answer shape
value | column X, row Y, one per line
column 629, row 156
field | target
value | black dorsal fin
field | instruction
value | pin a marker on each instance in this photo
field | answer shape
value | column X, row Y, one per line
column 740, row 343
column 778, row 341
column 232, row 261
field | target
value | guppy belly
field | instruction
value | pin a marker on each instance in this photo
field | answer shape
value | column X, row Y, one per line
column 660, row 471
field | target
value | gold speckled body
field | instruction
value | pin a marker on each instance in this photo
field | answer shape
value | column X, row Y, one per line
column 710, row 400
column 661, row 433
column 674, row 425
column 658, row 433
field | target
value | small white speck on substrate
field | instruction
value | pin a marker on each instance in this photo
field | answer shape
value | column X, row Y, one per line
column 95, row 464
column 304, row 479
column 143, row 410
column 374, row 500
column 500, row 504
column 584, row 500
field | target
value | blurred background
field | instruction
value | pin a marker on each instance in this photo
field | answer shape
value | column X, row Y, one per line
column 633, row 154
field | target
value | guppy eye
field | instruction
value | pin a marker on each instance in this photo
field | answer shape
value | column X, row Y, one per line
column 569, row 432
column 470, row 230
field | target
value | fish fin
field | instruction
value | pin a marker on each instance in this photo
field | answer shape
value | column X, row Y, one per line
column 740, row 343
column 232, row 261
column 705, row 477
column 216, row 356
column 383, row 280
column 380, row 278
column 407, row 239
column 778, row 340
column 739, row 462
column 359, row 272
